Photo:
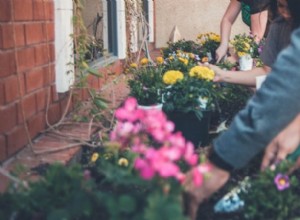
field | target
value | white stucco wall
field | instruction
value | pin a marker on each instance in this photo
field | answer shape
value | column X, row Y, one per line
column 191, row 17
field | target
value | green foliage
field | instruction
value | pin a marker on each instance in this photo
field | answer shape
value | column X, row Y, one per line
column 181, row 61
column 246, row 44
column 109, row 190
column 163, row 207
column 187, row 46
column 83, row 44
column 227, row 65
column 106, row 186
column 61, row 194
column 209, row 41
column 146, row 84
column 183, row 96
column 264, row 201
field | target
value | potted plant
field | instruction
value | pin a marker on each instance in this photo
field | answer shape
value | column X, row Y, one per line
column 209, row 43
column 146, row 82
column 247, row 48
column 188, row 99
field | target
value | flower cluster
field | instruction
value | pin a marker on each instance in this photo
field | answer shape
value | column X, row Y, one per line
column 202, row 72
column 181, row 45
column 172, row 76
column 209, row 41
column 146, row 81
column 246, row 44
column 181, row 61
column 159, row 151
column 189, row 89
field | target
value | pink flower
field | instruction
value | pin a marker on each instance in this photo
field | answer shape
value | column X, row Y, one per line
column 172, row 153
column 282, row 181
column 180, row 177
column 125, row 128
column 178, row 140
column 129, row 112
column 189, row 155
column 87, row 174
column 197, row 177
column 159, row 150
column 168, row 169
column 146, row 171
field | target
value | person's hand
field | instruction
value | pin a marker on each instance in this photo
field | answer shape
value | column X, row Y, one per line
column 221, row 52
column 283, row 144
column 196, row 195
column 219, row 73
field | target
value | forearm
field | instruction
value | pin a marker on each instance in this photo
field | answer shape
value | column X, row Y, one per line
column 247, row 78
column 228, row 20
column 225, row 31
column 270, row 110
column 259, row 24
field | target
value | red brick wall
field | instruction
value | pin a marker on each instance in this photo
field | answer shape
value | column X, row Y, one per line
column 26, row 71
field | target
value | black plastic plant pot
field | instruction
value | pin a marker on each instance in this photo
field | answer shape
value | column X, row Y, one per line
column 192, row 128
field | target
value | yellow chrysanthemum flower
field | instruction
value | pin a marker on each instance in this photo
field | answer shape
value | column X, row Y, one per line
column 94, row 157
column 192, row 56
column 240, row 53
column 172, row 76
column 159, row 60
column 183, row 60
column 123, row 162
column 215, row 37
column 202, row 72
column 144, row 61
column 247, row 46
column 133, row 65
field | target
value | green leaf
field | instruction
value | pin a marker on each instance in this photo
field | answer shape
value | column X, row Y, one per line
column 93, row 72
column 100, row 104
column 162, row 207
column 127, row 204
column 59, row 214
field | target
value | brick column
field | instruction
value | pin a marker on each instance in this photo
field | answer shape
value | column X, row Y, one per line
column 26, row 70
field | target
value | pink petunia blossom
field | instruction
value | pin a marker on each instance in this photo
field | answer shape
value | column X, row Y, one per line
column 168, row 170
column 151, row 136
column 146, row 171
